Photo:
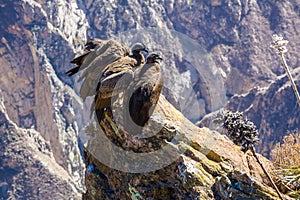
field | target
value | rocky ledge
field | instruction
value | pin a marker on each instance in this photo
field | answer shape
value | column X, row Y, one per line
column 195, row 163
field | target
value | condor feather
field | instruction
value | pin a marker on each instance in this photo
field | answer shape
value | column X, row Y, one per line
column 143, row 93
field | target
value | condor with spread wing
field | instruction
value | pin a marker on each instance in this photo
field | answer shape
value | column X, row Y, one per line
column 143, row 93
column 98, row 56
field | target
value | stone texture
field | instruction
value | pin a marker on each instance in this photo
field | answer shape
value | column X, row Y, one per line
column 28, row 169
column 273, row 109
column 203, row 164
column 35, row 44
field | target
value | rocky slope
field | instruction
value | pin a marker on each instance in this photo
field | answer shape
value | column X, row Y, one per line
column 36, row 43
column 221, row 51
column 28, row 169
column 178, row 161
column 273, row 109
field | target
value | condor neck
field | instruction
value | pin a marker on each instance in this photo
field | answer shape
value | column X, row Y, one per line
column 136, row 55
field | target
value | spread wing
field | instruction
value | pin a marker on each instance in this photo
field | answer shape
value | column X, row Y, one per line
column 143, row 94
column 90, row 46
column 99, row 54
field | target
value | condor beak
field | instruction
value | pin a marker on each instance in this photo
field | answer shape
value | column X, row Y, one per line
column 146, row 50
column 159, row 57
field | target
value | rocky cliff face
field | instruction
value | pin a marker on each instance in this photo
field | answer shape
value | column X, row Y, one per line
column 28, row 168
column 39, row 38
column 274, row 109
column 36, row 43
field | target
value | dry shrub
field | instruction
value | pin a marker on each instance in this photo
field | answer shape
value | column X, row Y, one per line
column 288, row 153
column 287, row 158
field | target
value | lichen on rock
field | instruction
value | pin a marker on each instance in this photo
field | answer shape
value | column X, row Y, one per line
column 205, row 165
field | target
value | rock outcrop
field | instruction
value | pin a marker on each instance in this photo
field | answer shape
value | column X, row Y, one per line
column 178, row 161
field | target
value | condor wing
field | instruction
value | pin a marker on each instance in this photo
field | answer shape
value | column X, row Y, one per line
column 100, row 53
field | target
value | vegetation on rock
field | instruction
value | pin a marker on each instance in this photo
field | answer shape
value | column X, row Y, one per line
column 286, row 156
column 241, row 131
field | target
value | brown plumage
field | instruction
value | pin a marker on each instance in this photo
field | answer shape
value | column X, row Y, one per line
column 90, row 45
column 98, row 54
column 104, row 63
column 143, row 93
column 120, row 70
column 110, row 77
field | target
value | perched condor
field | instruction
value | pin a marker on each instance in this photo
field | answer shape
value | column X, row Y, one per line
column 97, row 56
column 116, row 77
column 143, row 93
column 104, row 62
